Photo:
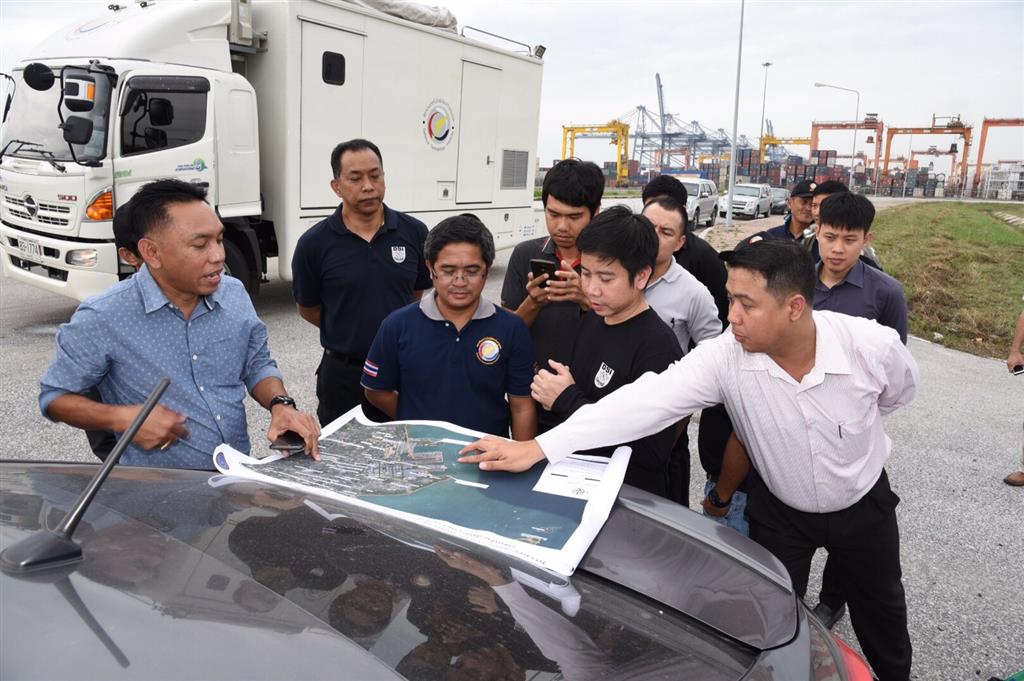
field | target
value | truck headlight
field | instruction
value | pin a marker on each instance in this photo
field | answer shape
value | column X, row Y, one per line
column 84, row 257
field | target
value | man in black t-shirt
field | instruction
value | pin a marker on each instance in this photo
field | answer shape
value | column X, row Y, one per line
column 353, row 269
column 552, row 307
column 697, row 256
column 619, row 339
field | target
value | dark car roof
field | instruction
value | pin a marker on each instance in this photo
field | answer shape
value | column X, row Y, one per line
column 191, row 575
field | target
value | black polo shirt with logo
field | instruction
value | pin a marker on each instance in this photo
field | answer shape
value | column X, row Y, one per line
column 358, row 283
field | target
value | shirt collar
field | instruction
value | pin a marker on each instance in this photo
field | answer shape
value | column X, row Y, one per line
column 338, row 224
column 829, row 357
column 153, row 297
column 428, row 305
column 855, row 276
column 673, row 272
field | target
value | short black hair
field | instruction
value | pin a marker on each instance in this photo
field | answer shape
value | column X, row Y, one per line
column 576, row 183
column 669, row 203
column 847, row 210
column 125, row 235
column 830, row 187
column 357, row 144
column 147, row 209
column 786, row 265
column 460, row 229
column 665, row 185
column 620, row 234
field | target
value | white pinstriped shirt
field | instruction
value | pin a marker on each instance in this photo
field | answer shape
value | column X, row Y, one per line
column 818, row 444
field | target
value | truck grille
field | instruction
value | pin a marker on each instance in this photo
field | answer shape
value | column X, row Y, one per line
column 46, row 214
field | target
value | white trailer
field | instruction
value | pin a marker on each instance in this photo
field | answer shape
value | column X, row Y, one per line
column 248, row 100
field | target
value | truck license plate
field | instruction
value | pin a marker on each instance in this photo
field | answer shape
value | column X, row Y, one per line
column 30, row 248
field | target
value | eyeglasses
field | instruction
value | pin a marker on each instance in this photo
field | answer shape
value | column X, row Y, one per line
column 467, row 275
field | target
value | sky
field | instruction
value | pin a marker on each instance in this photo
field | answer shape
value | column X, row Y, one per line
column 909, row 60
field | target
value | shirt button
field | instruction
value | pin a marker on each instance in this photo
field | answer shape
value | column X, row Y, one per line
column 218, row 417
column 201, row 388
column 195, row 357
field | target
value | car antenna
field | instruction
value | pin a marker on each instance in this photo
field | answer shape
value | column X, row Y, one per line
column 52, row 548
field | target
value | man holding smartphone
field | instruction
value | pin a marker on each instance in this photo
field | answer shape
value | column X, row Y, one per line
column 553, row 305
column 1015, row 364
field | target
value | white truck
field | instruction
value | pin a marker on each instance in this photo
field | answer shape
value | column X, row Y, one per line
column 248, row 98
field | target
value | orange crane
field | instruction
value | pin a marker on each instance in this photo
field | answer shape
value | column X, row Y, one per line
column 870, row 122
column 933, row 151
column 615, row 130
column 953, row 127
column 985, row 125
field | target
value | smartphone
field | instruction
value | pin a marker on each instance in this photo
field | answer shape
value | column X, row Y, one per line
column 1018, row 370
column 288, row 441
column 539, row 266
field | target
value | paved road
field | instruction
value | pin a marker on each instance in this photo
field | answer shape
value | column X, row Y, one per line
column 963, row 529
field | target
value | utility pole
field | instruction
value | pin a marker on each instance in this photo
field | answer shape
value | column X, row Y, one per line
column 764, row 99
column 735, row 123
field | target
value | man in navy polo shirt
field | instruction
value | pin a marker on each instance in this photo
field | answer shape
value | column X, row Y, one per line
column 352, row 270
column 455, row 356
column 800, row 213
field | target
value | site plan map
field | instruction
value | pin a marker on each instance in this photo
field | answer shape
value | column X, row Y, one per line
column 548, row 515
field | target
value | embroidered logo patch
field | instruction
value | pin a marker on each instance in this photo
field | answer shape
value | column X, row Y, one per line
column 488, row 350
column 604, row 374
column 398, row 254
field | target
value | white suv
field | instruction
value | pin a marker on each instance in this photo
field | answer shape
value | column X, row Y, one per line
column 701, row 202
column 752, row 200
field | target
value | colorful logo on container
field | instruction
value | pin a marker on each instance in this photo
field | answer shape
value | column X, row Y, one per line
column 488, row 350
column 438, row 124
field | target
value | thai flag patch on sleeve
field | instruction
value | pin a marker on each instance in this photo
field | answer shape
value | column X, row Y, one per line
column 370, row 369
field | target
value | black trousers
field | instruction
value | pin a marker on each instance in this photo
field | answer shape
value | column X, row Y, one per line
column 679, row 470
column 863, row 543
column 338, row 390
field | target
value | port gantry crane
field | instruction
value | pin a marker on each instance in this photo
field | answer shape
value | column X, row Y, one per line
column 870, row 122
column 615, row 130
column 772, row 141
column 934, row 151
column 954, row 126
column 985, row 125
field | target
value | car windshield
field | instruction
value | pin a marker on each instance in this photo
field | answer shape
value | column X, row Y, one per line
column 33, row 118
column 747, row 191
column 780, row 193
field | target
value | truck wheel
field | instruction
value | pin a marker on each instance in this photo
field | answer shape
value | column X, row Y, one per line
column 236, row 265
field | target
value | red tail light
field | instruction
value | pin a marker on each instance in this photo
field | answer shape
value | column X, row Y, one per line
column 857, row 668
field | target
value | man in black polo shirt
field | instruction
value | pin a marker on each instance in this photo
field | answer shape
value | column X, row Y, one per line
column 800, row 214
column 352, row 270
column 696, row 255
column 552, row 309
column 619, row 339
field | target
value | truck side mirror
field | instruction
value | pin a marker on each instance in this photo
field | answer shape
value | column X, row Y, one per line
column 77, row 130
column 161, row 111
column 38, row 76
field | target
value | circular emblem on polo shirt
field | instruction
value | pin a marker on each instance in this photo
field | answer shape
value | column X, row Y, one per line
column 488, row 350
column 438, row 124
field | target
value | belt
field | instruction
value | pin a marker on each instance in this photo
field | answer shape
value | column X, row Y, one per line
column 343, row 357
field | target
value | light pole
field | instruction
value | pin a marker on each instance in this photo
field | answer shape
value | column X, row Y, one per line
column 856, row 121
column 764, row 98
column 735, row 124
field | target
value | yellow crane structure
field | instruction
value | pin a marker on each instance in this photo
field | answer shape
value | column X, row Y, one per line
column 770, row 140
column 617, row 131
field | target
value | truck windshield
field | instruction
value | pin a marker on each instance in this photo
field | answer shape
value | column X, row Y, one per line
column 33, row 118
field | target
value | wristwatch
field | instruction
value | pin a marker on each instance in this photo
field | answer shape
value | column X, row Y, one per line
column 281, row 399
column 716, row 501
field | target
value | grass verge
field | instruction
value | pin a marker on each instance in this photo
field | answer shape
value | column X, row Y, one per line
column 962, row 270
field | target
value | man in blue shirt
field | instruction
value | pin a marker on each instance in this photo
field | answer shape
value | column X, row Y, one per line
column 353, row 269
column 845, row 283
column 800, row 214
column 177, row 317
column 455, row 356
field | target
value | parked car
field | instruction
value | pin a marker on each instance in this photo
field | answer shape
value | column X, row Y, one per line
column 752, row 200
column 187, row 574
column 780, row 200
column 701, row 202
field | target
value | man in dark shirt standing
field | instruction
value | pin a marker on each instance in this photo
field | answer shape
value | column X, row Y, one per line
column 619, row 339
column 696, row 255
column 552, row 307
column 800, row 215
column 352, row 270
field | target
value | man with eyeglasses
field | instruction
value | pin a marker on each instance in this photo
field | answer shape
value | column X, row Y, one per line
column 351, row 270
column 455, row 356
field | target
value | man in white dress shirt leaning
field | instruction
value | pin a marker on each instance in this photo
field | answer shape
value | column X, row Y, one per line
column 806, row 392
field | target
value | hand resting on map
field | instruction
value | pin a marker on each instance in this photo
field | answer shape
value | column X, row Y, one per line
column 499, row 454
